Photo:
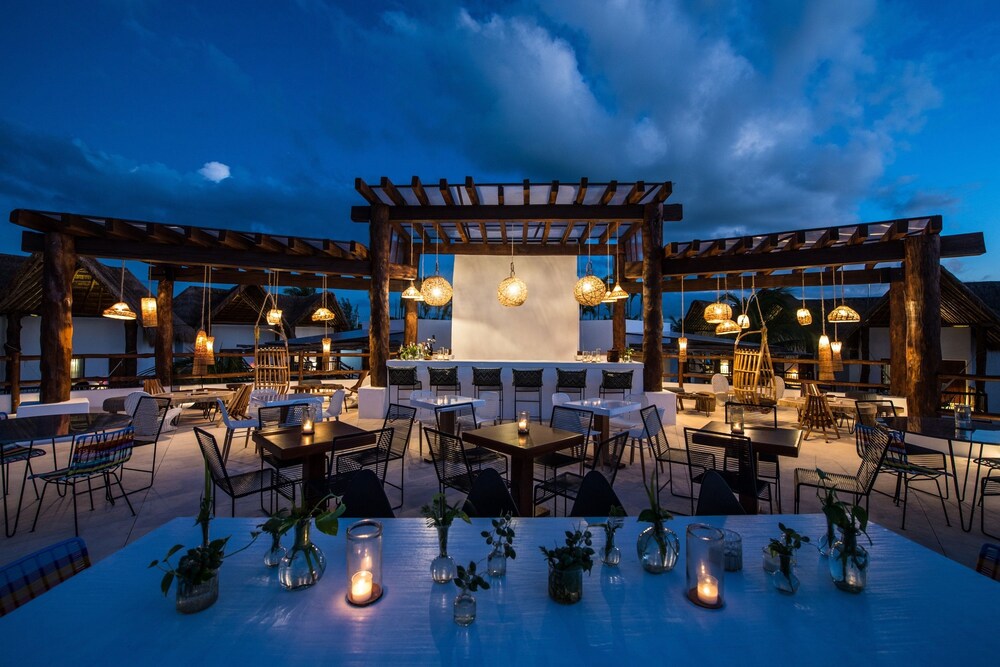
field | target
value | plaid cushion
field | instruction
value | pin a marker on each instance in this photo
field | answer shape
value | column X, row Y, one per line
column 30, row 576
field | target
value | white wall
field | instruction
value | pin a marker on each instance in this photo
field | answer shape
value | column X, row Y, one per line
column 546, row 327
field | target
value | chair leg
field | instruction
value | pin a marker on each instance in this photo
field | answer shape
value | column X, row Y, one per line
column 38, row 510
column 118, row 481
column 227, row 442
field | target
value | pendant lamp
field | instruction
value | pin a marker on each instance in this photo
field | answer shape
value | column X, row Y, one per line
column 436, row 290
column 120, row 310
column 824, row 353
column 323, row 314
column 512, row 292
column 682, row 342
column 147, row 305
column 273, row 316
column 803, row 315
column 412, row 292
column 843, row 312
column 718, row 312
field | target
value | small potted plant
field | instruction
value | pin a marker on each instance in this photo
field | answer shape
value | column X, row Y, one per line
column 411, row 352
column 611, row 555
column 567, row 565
column 657, row 545
column 501, row 539
column 468, row 582
column 304, row 564
column 197, row 571
column 848, row 559
column 440, row 515
column 828, row 498
column 783, row 549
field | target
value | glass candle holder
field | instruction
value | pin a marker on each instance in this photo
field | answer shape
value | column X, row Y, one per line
column 308, row 419
column 733, row 550
column 705, row 566
column 963, row 417
column 364, row 563
column 736, row 418
column 523, row 421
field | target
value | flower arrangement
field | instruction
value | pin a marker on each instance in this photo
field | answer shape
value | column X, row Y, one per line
column 411, row 352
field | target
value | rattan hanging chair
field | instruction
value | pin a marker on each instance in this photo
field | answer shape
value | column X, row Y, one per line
column 753, row 370
column 270, row 368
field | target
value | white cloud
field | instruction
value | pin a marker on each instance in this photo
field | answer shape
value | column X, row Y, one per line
column 215, row 171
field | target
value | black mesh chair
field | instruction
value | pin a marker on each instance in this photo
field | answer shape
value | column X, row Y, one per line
column 567, row 419
column 147, row 420
column 364, row 497
column 489, row 497
column 403, row 378
column 528, row 390
column 400, row 419
column 244, row 484
column 29, row 576
column 898, row 463
column 487, row 379
column 444, row 380
column 872, row 442
column 450, row 464
column 16, row 453
column 869, row 412
column 660, row 450
column 566, row 485
column 616, row 383
column 989, row 488
column 347, row 467
column 276, row 416
column 572, row 382
column 596, row 497
column 732, row 457
column 716, row 497
column 768, row 465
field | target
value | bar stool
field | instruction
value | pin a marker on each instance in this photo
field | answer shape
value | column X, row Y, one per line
column 616, row 382
column 403, row 378
column 528, row 388
column 444, row 380
column 487, row 379
column 572, row 382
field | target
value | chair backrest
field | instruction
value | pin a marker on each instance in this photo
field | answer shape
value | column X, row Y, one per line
column 530, row 378
column 403, row 376
column 400, row 419
column 149, row 416
column 490, row 409
column 213, row 459
column 132, row 400
column 281, row 415
column 559, row 398
column 753, row 413
column 989, row 561
column 29, row 576
column 872, row 443
column 595, row 497
column 489, row 496
column 152, row 386
column 364, row 497
column 465, row 415
column 716, row 498
column 238, row 404
column 731, row 455
column 94, row 452
column 870, row 411
column 720, row 384
column 578, row 421
column 336, row 405
column 811, row 389
column 817, row 412
column 448, row 455
column 486, row 377
column 443, row 377
column 779, row 387
column 263, row 395
column 616, row 380
column 653, row 426
column 571, row 379
column 608, row 455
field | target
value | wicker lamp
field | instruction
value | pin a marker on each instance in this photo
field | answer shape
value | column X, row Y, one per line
column 512, row 292
column 682, row 342
column 843, row 312
column 718, row 312
column 120, row 310
column 727, row 327
column 803, row 315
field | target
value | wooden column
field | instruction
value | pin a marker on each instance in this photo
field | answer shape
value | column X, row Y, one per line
column 378, row 293
column 618, row 325
column 897, row 340
column 163, row 346
column 12, row 350
column 980, row 333
column 652, row 297
column 922, row 290
column 865, row 352
column 56, row 334
column 129, row 367
column 410, row 332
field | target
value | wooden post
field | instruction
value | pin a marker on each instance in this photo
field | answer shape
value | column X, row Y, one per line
column 897, row 340
column 865, row 352
column 12, row 350
column 56, row 334
column 378, row 293
column 922, row 290
column 163, row 346
column 652, row 297
column 618, row 315
column 129, row 367
column 410, row 332
column 980, row 334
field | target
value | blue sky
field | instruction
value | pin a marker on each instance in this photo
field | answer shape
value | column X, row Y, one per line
column 259, row 115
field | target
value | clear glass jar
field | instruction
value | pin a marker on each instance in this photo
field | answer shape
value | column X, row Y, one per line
column 465, row 608
column 192, row 598
column 849, row 563
column 611, row 555
column 657, row 547
column 566, row 586
column 705, row 565
column 784, row 578
column 496, row 563
column 364, row 562
column 443, row 568
column 304, row 564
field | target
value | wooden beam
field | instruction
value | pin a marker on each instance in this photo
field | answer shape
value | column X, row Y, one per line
column 470, row 189
column 419, row 192
column 898, row 382
column 528, row 213
column 378, row 295
column 12, row 352
column 445, row 191
column 500, row 196
column 636, row 193
column 609, row 192
column 410, row 322
column 664, row 192
column 526, row 192
column 56, row 331
column 553, row 193
column 581, row 193
column 856, row 277
column 365, row 191
column 389, row 188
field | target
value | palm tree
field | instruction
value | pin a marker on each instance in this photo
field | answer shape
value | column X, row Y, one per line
column 300, row 291
column 777, row 308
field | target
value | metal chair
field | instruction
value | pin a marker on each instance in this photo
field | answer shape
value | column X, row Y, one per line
column 425, row 416
column 732, row 457
column 566, row 485
column 660, row 450
column 444, row 380
column 528, row 389
column 872, row 442
column 450, row 463
column 345, row 467
column 16, row 453
column 898, row 463
column 489, row 496
column 567, row 419
column 487, row 379
column 595, row 497
column 147, row 420
column 615, row 382
column 94, row 455
column 989, row 487
column 271, row 416
column 243, row 484
column 403, row 378
column 768, row 465
column 572, row 382
column 28, row 577
column 233, row 425
column 400, row 419
column 989, row 561
column 364, row 497
column 716, row 497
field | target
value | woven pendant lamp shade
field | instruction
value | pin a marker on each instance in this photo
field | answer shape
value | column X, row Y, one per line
column 326, row 346
column 838, row 361
column 512, row 292
column 825, row 359
column 682, row 349
column 843, row 313
column 413, row 293
column 323, row 314
column 718, row 312
column 148, row 308
column 618, row 293
column 743, row 320
column 210, row 350
column 274, row 317
column 727, row 327
column 119, row 311
column 804, row 317
column 436, row 291
column 589, row 290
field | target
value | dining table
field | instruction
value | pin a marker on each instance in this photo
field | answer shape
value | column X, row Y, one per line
column 445, row 407
column 19, row 435
column 290, row 445
column 603, row 410
column 918, row 608
column 523, row 449
column 944, row 429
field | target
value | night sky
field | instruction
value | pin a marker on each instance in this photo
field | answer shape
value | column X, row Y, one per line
column 259, row 115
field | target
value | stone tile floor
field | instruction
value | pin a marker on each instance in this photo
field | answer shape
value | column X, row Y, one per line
column 179, row 481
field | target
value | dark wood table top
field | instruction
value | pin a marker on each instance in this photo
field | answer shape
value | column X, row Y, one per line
column 46, row 427
column 766, row 440
column 288, row 442
column 987, row 433
column 505, row 439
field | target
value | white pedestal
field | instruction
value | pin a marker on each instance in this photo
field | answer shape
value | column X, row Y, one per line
column 372, row 402
column 73, row 406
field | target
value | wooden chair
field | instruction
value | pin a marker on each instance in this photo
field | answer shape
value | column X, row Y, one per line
column 152, row 386
column 26, row 578
column 817, row 416
column 240, row 402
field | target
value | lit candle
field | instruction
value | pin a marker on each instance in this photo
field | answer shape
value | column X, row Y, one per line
column 361, row 586
column 307, row 425
column 522, row 425
column 708, row 590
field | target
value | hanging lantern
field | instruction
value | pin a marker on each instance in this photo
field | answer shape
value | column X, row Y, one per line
column 210, row 350
column 825, row 359
column 682, row 349
column 589, row 290
column 743, row 320
column 608, row 298
column 718, row 312
column 727, row 326
column 436, row 290
column 413, row 293
column 618, row 293
column 838, row 361
column 148, row 308
column 322, row 314
column 326, row 346
column 119, row 311
column 843, row 313
column 512, row 292
column 274, row 317
column 804, row 317
column 200, row 345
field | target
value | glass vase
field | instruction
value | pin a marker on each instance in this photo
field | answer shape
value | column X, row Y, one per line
column 496, row 563
column 465, row 608
column 657, row 547
column 304, row 563
column 274, row 555
column 192, row 598
column 827, row 541
column 443, row 567
column 849, row 563
column 611, row 555
column 566, row 586
column 784, row 578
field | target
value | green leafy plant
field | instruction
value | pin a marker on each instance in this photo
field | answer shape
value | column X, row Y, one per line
column 202, row 562
column 327, row 521
column 501, row 537
column 616, row 519
column 439, row 513
column 850, row 518
column 789, row 542
column 468, row 580
column 654, row 514
column 576, row 553
column 411, row 351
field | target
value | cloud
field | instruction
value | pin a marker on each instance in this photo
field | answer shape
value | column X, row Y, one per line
column 215, row 171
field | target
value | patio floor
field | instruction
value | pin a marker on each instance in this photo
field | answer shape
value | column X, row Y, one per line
column 179, row 482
